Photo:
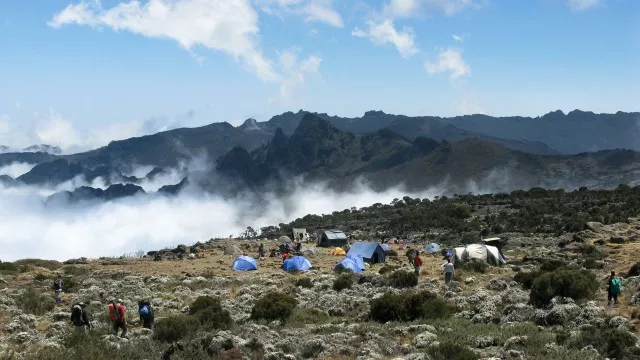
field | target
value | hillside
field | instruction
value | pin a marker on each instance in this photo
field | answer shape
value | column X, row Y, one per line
column 546, row 302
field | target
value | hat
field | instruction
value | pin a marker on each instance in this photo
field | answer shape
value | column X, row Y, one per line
column 120, row 301
column 81, row 304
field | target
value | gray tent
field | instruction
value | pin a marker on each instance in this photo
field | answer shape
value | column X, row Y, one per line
column 284, row 239
column 332, row 238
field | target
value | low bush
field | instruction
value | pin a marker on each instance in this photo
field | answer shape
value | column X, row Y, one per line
column 451, row 350
column 304, row 282
column 476, row 266
column 344, row 281
column 209, row 312
column 526, row 278
column 614, row 343
column 41, row 277
column 8, row 268
column 409, row 307
column 274, row 306
column 47, row 264
column 402, row 279
column 388, row 269
column 33, row 302
column 591, row 263
column 304, row 316
column 75, row 270
column 576, row 284
column 70, row 284
column 175, row 328
column 552, row 264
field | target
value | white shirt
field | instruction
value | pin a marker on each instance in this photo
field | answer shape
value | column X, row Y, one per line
column 448, row 268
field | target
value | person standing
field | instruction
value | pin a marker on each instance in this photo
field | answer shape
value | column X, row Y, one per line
column 261, row 251
column 613, row 289
column 117, row 314
column 448, row 271
column 57, row 288
column 417, row 263
column 80, row 317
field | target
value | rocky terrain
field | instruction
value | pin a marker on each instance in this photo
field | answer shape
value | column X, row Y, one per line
column 486, row 312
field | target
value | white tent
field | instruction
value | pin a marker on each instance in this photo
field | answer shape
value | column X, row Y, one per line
column 480, row 252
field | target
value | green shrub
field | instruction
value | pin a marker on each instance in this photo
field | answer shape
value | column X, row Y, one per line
column 41, row 277
column 552, row 264
column 175, row 328
column 437, row 309
column 70, row 284
column 591, row 263
column 344, row 281
column 35, row 303
column 75, row 270
column 613, row 343
column 388, row 269
column 8, row 268
column 47, row 264
column 312, row 351
column 209, row 312
column 476, row 266
column 409, row 307
column 402, row 279
column 304, row 282
column 450, row 350
column 231, row 354
column 576, row 284
column 274, row 306
column 304, row 316
column 526, row 278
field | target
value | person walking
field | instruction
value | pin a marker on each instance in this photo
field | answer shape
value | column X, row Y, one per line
column 417, row 263
column 147, row 317
column 117, row 314
column 80, row 318
column 448, row 271
column 613, row 289
column 58, row 288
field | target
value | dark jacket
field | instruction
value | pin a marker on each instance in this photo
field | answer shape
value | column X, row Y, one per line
column 83, row 320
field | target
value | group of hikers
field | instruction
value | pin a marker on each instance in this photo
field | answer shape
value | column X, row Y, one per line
column 116, row 309
column 413, row 255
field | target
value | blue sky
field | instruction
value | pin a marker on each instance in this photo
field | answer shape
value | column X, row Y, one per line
column 80, row 73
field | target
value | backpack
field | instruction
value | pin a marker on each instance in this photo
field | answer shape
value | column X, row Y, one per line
column 615, row 285
column 57, row 284
column 144, row 311
column 76, row 314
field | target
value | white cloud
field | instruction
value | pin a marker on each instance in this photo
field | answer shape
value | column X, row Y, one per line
column 230, row 26
column 459, row 38
column 16, row 169
column 413, row 8
column 581, row 5
column 449, row 60
column 381, row 33
column 294, row 73
column 313, row 32
column 312, row 10
column 470, row 105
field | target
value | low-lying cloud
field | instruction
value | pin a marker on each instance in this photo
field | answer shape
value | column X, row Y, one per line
column 28, row 229
column 16, row 169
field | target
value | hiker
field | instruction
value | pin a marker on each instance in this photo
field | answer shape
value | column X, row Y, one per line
column 613, row 289
column 117, row 314
column 261, row 251
column 417, row 262
column 448, row 271
column 410, row 255
column 298, row 247
column 58, row 287
column 146, row 314
column 80, row 317
column 285, row 256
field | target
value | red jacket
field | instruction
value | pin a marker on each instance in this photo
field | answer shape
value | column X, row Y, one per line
column 113, row 315
column 417, row 261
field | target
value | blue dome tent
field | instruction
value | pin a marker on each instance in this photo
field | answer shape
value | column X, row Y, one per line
column 299, row 263
column 370, row 252
column 432, row 248
column 358, row 260
column 348, row 264
column 244, row 263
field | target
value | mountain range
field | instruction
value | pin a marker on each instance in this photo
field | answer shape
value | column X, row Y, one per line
column 460, row 153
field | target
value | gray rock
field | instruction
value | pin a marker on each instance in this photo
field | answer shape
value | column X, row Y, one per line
column 424, row 340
